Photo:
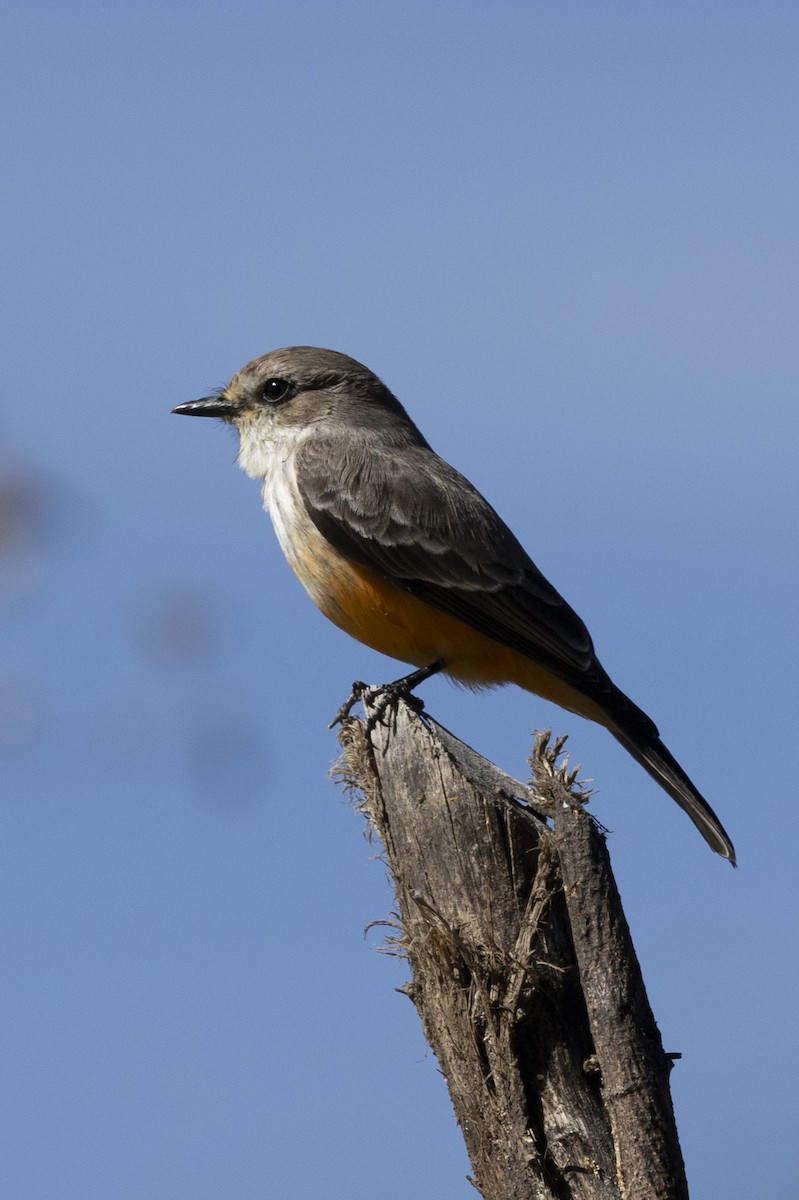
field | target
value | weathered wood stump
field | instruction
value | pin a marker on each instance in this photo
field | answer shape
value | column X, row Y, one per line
column 524, row 973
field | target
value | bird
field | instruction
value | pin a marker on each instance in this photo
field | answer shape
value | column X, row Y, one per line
column 402, row 552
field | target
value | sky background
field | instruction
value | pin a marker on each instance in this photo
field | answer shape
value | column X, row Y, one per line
column 566, row 236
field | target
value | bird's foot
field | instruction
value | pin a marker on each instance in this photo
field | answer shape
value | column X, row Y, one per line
column 381, row 701
column 358, row 692
column 386, row 696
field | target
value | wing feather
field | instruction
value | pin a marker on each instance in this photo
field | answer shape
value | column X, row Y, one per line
column 418, row 522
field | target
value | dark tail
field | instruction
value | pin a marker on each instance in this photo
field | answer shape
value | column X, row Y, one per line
column 663, row 767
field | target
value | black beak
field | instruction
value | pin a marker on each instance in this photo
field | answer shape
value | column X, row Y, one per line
column 209, row 406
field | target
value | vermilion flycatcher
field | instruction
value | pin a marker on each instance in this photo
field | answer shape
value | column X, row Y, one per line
column 399, row 550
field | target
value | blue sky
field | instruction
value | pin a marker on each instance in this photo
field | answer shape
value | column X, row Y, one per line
column 566, row 236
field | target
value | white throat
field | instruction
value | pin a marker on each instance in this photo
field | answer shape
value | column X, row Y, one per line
column 269, row 454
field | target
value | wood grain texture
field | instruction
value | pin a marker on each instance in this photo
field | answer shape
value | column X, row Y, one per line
column 554, row 1103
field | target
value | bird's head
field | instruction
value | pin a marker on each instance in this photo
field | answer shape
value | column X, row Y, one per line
column 280, row 398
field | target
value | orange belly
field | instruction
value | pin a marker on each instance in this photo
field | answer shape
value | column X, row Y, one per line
column 400, row 625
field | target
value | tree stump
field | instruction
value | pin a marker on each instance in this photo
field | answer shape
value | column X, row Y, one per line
column 523, row 970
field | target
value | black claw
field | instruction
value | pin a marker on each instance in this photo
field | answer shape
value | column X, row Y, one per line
column 386, row 696
column 358, row 691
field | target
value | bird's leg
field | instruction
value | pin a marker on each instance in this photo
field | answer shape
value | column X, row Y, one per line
column 386, row 695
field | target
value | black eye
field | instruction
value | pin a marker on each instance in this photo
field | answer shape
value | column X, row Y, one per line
column 275, row 390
